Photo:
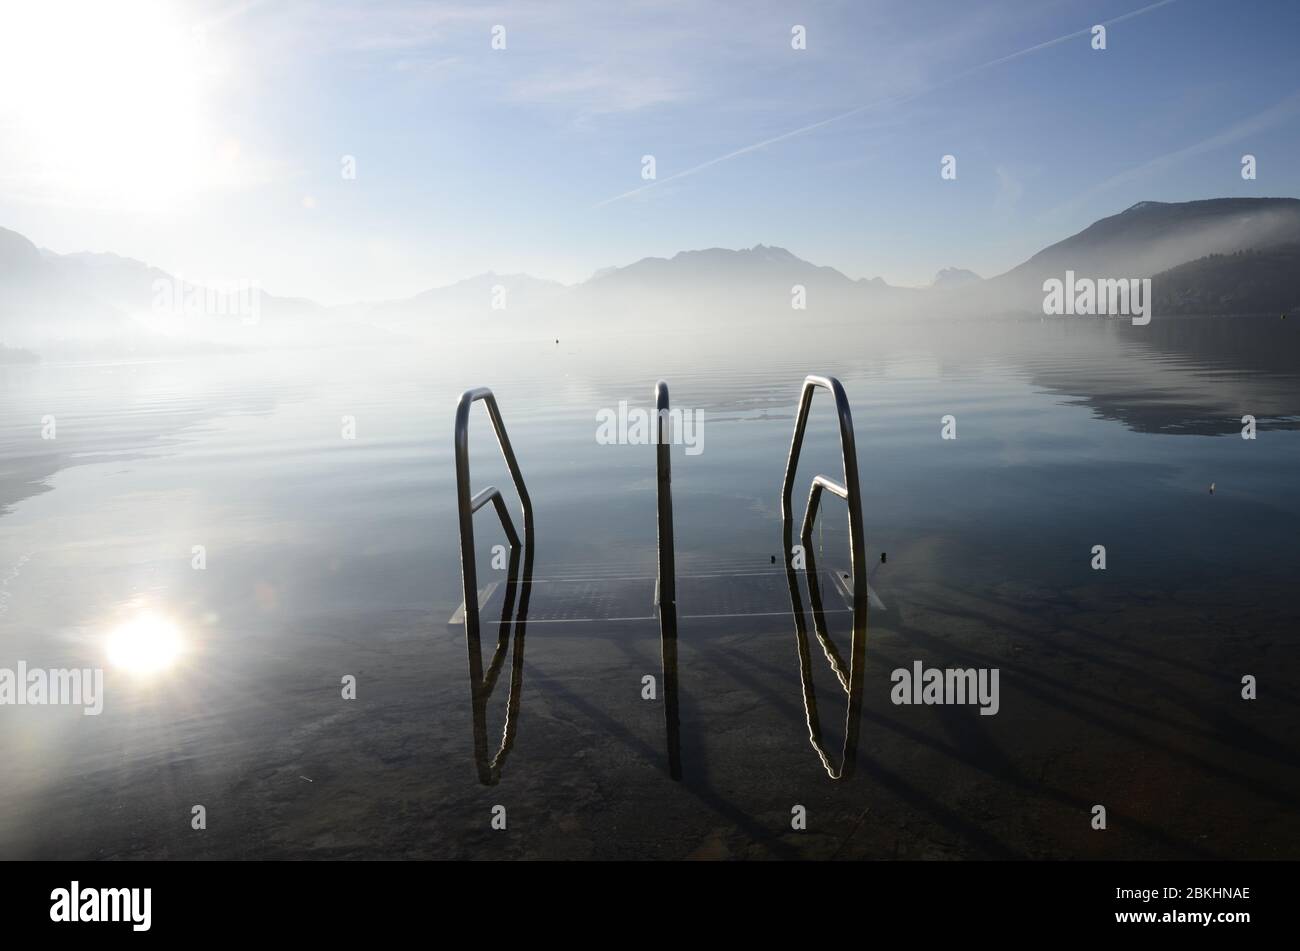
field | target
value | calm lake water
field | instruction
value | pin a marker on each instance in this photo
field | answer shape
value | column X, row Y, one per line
column 328, row 557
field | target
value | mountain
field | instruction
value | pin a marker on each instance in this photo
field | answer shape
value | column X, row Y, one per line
column 1260, row 281
column 1145, row 240
column 1211, row 256
column 18, row 256
column 1153, row 236
column 722, row 285
column 72, row 301
column 40, row 299
column 955, row 277
column 490, row 296
column 691, row 269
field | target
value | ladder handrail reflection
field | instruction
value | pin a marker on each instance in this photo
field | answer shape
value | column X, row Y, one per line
column 483, row 684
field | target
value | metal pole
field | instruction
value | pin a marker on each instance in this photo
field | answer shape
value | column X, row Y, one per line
column 667, row 579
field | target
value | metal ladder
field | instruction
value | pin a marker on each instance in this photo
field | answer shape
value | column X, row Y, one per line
column 482, row 685
column 468, row 503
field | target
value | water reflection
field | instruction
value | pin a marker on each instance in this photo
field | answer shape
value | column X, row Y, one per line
column 1182, row 376
column 145, row 645
column 850, row 682
column 360, row 541
column 482, row 684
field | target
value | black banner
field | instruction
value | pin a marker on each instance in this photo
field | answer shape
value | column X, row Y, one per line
column 1224, row 901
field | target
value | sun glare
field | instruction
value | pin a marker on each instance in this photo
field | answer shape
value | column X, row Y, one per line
column 106, row 102
column 145, row 645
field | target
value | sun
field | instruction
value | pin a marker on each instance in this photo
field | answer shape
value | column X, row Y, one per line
column 145, row 645
column 105, row 104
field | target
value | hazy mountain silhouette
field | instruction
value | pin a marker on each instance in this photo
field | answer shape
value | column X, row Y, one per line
column 955, row 277
column 1189, row 248
column 490, row 295
column 1154, row 236
column 722, row 284
column 689, row 269
column 73, row 301
column 1142, row 241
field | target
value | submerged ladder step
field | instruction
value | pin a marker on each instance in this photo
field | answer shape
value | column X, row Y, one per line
column 754, row 594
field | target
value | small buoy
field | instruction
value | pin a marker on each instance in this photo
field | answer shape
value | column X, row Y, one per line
column 1211, row 488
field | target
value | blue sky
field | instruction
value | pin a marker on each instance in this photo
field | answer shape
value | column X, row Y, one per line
column 207, row 138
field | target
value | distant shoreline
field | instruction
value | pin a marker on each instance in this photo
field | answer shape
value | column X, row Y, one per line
column 17, row 356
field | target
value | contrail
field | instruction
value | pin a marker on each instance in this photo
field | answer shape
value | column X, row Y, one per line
column 888, row 100
column 1278, row 112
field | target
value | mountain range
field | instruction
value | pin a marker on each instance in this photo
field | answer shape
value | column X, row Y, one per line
column 1226, row 255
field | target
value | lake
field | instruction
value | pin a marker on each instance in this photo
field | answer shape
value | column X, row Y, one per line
column 326, row 557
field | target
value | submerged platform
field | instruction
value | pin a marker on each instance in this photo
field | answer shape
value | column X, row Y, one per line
column 705, row 595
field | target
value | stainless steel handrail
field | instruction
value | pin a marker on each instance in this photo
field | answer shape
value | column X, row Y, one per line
column 849, row 490
column 468, row 505
column 481, row 685
column 493, row 494
column 667, row 585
